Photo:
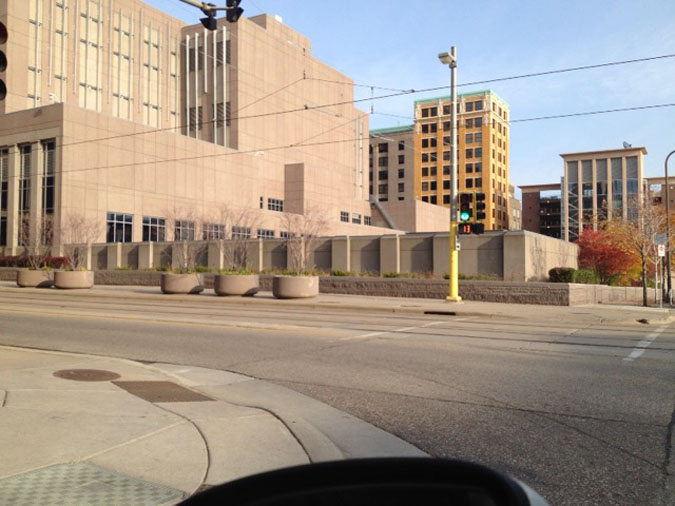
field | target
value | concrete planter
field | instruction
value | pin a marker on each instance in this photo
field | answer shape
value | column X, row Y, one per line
column 245, row 285
column 295, row 287
column 72, row 280
column 34, row 279
column 174, row 284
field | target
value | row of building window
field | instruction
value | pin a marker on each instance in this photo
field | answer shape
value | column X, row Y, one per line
column 119, row 228
column 431, row 112
column 356, row 218
column 272, row 204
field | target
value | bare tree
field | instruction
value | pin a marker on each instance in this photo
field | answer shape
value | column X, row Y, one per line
column 636, row 234
column 185, row 227
column 240, row 225
column 302, row 233
column 37, row 245
column 77, row 234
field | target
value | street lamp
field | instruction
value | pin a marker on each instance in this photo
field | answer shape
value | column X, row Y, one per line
column 670, row 286
column 450, row 59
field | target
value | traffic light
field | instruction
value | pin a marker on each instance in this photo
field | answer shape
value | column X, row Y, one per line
column 464, row 229
column 209, row 23
column 480, row 206
column 465, row 212
column 234, row 12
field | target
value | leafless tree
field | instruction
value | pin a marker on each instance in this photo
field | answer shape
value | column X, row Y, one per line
column 77, row 233
column 37, row 245
column 303, row 231
column 240, row 225
column 185, row 228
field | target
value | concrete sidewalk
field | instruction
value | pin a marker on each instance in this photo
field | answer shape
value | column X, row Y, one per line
column 114, row 431
column 590, row 314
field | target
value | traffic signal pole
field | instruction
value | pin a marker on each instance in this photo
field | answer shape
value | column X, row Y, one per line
column 453, row 267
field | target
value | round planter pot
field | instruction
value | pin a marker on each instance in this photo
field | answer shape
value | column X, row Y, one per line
column 71, row 280
column 246, row 285
column 174, row 284
column 34, row 279
column 295, row 287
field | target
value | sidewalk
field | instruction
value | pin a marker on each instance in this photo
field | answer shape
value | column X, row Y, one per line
column 606, row 314
column 142, row 434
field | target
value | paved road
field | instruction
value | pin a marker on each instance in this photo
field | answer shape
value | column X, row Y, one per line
column 584, row 413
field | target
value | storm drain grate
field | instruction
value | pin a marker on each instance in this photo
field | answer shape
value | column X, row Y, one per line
column 83, row 484
column 161, row 391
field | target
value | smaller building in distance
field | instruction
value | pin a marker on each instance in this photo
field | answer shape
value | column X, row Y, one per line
column 655, row 189
column 391, row 163
column 599, row 185
column 515, row 210
column 542, row 208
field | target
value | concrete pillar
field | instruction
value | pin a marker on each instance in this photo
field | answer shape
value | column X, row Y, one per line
column 214, row 256
column 440, row 252
column 390, row 253
column 89, row 263
column 516, row 256
column 113, row 256
column 36, row 171
column 13, row 201
column 146, row 252
column 341, row 253
column 255, row 255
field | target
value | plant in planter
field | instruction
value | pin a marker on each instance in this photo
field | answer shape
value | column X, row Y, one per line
column 183, row 278
column 37, row 273
column 302, row 233
column 236, row 279
column 78, row 233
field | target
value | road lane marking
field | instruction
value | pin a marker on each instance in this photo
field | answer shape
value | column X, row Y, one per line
column 642, row 346
column 380, row 333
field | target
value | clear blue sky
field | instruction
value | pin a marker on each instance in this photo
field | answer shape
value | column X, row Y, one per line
column 394, row 43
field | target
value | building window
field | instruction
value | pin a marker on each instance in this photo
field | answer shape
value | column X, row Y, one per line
column 425, row 198
column 48, row 184
column 344, row 216
column 383, row 161
column 383, row 188
column 241, row 233
column 433, row 111
column 425, row 157
column 24, row 178
column 383, row 147
column 154, row 229
column 425, row 128
column 468, row 168
column 469, row 153
column 184, row 230
column 468, row 123
column 479, row 182
column 446, row 110
column 425, row 113
column 262, row 202
column 433, row 199
column 213, row 232
column 468, row 107
column 401, row 145
column 446, row 184
column 446, row 155
column 432, row 171
column 469, row 138
column 425, row 143
column 275, row 205
column 478, row 166
column 425, row 186
column 401, row 159
column 283, row 234
column 401, row 173
column 446, row 126
column 401, row 187
column 446, row 199
column 469, row 183
column 367, row 220
column 478, row 122
column 356, row 218
column 446, row 170
column 432, row 187
column 118, row 227
column 264, row 233
column 478, row 152
column 478, row 105
column 383, row 175
column 425, row 171
column 478, row 137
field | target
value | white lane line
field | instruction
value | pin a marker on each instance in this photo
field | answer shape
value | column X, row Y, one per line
column 375, row 334
column 642, row 346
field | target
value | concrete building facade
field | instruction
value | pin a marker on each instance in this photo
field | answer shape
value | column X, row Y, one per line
column 599, row 185
column 515, row 210
column 117, row 112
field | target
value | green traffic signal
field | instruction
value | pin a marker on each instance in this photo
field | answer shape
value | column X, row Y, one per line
column 464, row 216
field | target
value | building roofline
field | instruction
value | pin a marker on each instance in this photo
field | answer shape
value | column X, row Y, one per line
column 543, row 186
column 639, row 148
column 392, row 130
column 460, row 95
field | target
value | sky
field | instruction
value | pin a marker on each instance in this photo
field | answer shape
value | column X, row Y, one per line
column 395, row 43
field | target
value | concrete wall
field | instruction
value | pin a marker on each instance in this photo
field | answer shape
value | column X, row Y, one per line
column 512, row 256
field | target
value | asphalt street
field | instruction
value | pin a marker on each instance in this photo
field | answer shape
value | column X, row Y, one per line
column 583, row 413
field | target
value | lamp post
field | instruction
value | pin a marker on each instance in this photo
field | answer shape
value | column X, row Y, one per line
column 670, row 286
column 450, row 59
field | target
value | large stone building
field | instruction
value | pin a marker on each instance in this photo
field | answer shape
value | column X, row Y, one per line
column 117, row 112
column 600, row 185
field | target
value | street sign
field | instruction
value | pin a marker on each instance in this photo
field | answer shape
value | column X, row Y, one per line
column 661, row 248
column 660, row 239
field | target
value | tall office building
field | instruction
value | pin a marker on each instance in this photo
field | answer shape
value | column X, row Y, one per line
column 542, row 208
column 483, row 152
column 121, row 113
column 599, row 185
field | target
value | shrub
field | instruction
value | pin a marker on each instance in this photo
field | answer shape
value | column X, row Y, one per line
column 391, row 275
column 586, row 277
column 24, row 261
column 561, row 275
column 340, row 272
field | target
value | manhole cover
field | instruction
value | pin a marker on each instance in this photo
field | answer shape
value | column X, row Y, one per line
column 83, row 484
column 161, row 391
column 86, row 375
